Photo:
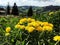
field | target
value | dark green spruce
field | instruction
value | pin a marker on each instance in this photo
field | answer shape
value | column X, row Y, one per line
column 15, row 10
column 8, row 10
column 30, row 11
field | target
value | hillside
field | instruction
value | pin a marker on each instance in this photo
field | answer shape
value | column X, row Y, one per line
column 24, row 9
column 51, row 8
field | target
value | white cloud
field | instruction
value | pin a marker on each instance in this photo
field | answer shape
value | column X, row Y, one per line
column 30, row 2
column 57, row 2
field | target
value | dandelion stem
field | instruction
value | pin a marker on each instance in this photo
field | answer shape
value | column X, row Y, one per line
column 41, row 34
column 56, row 42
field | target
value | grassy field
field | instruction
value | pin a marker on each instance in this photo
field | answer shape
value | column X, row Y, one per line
column 40, row 29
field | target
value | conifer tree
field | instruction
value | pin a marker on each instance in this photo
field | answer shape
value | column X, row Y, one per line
column 8, row 9
column 15, row 10
column 30, row 11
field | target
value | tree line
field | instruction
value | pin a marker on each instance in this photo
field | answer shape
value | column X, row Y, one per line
column 15, row 10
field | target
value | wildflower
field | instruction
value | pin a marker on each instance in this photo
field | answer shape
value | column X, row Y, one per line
column 23, row 20
column 8, row 29
column 30, row 20
column 17, row 26
column 48, row 28
column 32, row 24
column 7, row 34
column 29, row 24
column 50, row 24
column 56, row 38
column 27, row 27
column 39, row 22
column 45, row 23
column 30, row 29
column 51, row 13
column 22, row 27
column 18, row 23
column 39, row 28
column 35, row 24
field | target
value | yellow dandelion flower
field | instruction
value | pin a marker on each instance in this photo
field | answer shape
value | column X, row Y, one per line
column 30, row 29
column 48, row 28
column 30, row 20
column 39, row 22
column 8, row 29
column 35, row 24
column 7, row 34
column 27, row 27
column 23, row 20
column 50, row 24
column 39, row 28
column 17, row 26
column 22, row 27
column 51, row 13
column 29, row 24
column 18, row 23
column 45, row 23
column 56, row 38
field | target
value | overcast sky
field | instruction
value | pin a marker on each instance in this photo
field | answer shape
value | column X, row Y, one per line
column 30, row 2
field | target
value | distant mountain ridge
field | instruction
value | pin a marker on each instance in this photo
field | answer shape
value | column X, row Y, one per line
column 46, row 8
column 51, row 8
